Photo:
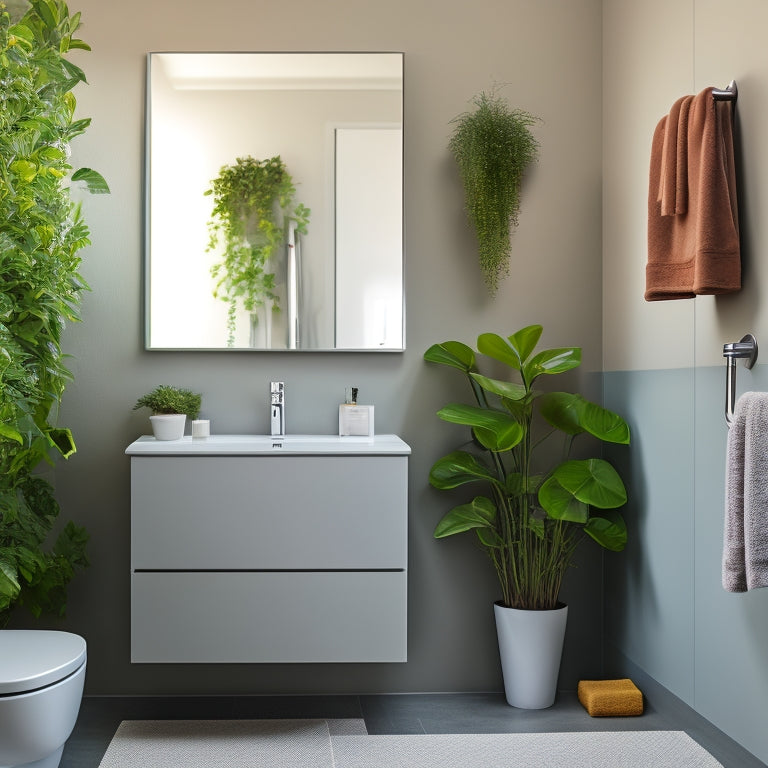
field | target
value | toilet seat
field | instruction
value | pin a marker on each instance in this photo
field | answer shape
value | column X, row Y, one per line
column 31, row 659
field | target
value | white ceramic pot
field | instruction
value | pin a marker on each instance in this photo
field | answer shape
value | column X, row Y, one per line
column 530, row 647
column 168, row 426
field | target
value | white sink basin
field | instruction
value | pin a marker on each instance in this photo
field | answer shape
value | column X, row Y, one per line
column 243, row 445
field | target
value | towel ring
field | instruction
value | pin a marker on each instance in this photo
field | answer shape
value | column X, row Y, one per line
column 745, row 350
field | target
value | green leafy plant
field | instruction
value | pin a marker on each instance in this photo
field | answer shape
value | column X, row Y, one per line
column 253, row 205
column 492, row 146
column 533, row 517
column 41, row 234
column 167, row 399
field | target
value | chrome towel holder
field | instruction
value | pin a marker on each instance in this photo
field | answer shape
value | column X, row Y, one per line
column 730, row 93
column 745, row 350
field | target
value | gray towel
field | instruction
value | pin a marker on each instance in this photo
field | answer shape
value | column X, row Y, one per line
column 745, row 541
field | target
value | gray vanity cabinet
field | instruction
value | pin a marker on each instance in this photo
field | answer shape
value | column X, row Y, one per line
column 270, row 556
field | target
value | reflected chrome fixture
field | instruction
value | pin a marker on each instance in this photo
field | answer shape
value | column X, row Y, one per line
column 745, row 350
column 277, row 409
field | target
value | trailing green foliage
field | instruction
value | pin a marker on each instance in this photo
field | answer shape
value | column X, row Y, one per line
column 41, row 233
column 533, row 518
column 253, row 205
column 493, row 146
column 167, row 399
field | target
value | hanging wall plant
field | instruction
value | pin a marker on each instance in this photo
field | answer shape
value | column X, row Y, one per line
column 41, row 233
column 493, row 146
column 253, row 204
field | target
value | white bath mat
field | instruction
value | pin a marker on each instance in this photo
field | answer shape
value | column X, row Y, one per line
column 342, row 743
column 225, row 743
column 622, row 749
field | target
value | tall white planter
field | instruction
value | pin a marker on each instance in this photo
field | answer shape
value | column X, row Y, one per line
column 168, row 426
column 530, row 647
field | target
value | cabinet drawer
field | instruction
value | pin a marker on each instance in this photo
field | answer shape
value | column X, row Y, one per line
column 268, row 512
column 268, row 617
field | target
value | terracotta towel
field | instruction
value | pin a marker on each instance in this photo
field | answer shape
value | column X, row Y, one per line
column 673, row 179
column 695, row 251
column 745, row 539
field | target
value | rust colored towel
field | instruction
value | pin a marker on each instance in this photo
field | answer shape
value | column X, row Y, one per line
column 697, row 251
column 610, row 698
column 673, row 179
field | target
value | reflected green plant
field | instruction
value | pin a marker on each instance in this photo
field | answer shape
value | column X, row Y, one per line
column 253, row 203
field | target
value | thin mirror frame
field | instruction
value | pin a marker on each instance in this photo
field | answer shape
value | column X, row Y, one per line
column 147, row 219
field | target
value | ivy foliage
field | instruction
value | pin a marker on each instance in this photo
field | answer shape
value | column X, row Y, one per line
column 41, row 234
column 492, row 146
column 253, row 206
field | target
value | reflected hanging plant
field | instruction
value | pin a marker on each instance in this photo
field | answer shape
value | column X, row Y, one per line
column 493, row 146
column 253, row 205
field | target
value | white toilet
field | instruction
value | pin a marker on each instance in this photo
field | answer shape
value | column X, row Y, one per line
column 41, row 685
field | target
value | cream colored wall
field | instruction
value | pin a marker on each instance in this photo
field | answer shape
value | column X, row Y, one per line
column 730, row 44
column 547, row 53
column 646, row 66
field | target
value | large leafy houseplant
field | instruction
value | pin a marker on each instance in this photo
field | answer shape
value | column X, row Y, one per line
column 493, row 145
column 253, row 204
column 41, row 233
column 532, row 516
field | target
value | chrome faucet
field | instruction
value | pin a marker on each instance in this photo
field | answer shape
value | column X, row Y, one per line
column 277, row 408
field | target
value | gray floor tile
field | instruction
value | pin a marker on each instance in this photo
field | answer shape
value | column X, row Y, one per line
column 399, row 714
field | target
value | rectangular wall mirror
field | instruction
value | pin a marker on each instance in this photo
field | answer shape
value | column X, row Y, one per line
column 274, row 201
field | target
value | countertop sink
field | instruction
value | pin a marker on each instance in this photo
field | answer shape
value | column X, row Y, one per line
column 244, row 445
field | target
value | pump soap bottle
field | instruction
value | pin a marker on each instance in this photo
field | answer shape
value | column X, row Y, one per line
column 354, row 419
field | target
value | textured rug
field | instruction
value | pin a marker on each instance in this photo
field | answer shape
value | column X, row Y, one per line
column 226, row 743
column 344, row 744
column 621, row 749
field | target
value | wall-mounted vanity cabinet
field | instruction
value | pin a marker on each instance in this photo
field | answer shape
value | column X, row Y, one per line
column 245, row 549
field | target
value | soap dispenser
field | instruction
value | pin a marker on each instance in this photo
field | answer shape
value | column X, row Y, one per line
column 354, row 419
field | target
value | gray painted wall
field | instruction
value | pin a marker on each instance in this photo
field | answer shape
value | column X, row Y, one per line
column 545, row 53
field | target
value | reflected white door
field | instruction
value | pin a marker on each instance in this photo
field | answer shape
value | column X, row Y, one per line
column 369, row 238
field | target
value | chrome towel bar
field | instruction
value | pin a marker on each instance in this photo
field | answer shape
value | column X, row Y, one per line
column 745, row 350
column 730, row 93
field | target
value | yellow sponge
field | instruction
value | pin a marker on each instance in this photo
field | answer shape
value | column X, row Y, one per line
column 610, row 698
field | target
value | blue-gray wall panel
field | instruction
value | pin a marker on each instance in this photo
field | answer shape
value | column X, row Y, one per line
column 649, row 587
column 666, row 610
column 731, row 630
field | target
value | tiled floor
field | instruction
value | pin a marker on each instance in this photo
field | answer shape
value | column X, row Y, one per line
column 396, row 714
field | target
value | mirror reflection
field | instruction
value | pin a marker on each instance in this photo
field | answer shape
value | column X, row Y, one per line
column 274, row 201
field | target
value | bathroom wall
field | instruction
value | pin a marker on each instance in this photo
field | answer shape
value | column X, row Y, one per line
column 547, row 57
column 666, row 610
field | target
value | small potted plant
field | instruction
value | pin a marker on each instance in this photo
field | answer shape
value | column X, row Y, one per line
column 170, row 407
